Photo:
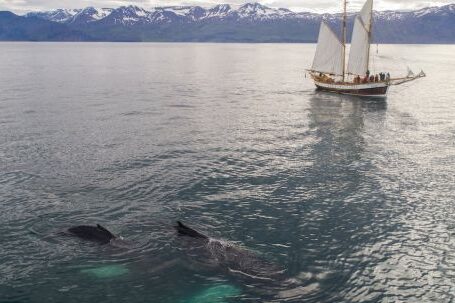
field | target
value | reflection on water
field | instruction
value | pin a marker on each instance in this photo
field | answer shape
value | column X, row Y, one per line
column 352, row 197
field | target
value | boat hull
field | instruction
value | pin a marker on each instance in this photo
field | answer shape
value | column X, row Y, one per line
column 376, row 90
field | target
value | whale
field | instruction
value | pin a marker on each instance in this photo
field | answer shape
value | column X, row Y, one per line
column 198, row 252
column 97, row 233
column 229, row 257
column 202, row 249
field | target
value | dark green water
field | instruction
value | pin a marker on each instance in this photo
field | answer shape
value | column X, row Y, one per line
column 354, row 198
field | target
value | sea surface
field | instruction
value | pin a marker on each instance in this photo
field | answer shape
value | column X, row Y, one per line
column 353, row 198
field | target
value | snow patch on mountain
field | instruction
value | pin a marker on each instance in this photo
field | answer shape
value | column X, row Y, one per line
column 220, row 11
column 447, row 9
column 178, row 10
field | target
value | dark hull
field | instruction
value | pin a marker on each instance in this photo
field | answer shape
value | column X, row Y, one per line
column 367, row 92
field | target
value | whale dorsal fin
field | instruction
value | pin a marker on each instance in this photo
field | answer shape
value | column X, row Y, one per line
column 105, row 230
column 187, row 231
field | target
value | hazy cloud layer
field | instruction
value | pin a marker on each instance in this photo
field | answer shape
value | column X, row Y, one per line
column 22, row 6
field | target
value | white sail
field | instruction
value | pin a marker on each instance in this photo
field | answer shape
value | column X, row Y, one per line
column 360, row 42
column 365, row 13
column 329, row 52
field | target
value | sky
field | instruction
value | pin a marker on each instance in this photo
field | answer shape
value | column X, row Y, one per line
column 318, row 6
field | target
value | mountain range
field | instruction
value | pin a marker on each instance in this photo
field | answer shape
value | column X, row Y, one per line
column 251, row 22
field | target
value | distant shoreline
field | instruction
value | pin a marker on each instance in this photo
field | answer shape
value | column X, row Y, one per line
column 195, row 42
column 249, row 23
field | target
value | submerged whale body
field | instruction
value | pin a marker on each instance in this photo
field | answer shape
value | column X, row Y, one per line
column 234, row 259
column 96, row 233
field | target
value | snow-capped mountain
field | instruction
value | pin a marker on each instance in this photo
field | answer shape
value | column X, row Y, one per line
column 76, row 16
column 256, row 11
column 250, row 22
column 127, row 15
column 89, row 14
column 58, row 15
column 131, row 15
column 220, row 11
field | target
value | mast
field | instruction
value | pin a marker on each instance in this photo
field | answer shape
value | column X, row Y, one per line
column 343, row 33
column 369, row 36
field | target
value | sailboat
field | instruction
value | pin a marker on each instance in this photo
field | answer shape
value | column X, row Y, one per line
column 330, row 71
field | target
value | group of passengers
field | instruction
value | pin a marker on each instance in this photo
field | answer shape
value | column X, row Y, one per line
column 325, row 78
column 381, row 77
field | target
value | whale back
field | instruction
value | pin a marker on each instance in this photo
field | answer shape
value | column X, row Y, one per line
column 184, row 230
column 234, row 259
column 93, row 233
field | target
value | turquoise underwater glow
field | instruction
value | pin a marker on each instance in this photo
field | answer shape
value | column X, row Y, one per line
column 215, row 294
column 108, row 271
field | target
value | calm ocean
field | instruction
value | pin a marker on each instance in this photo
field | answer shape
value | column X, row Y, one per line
column 354, row 198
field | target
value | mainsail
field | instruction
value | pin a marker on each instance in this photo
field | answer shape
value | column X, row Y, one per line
column 360, row 42
column 329, row 52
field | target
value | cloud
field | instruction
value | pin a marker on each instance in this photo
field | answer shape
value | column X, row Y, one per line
column 320, row 6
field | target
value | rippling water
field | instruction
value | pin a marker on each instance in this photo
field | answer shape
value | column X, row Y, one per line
column 354, row 198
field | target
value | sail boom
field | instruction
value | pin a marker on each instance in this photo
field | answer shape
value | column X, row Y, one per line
column 323, row 72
